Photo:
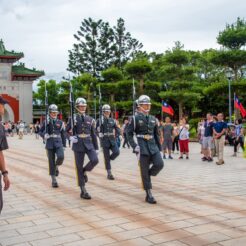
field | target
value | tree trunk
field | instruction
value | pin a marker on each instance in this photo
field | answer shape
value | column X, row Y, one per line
column 141, row 85
column 112, row 98
column 180, row 110
column 88, row 99
column 237, row 114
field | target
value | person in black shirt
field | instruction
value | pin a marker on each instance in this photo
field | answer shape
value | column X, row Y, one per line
column 3, row 146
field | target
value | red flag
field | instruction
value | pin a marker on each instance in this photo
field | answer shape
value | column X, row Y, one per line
column 166, row 108
column 239, row 106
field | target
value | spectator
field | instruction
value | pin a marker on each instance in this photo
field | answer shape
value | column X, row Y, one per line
column 37, row 129
column 167, row 133
column 21, row 129
column 219, row 129
column 3, row 146
column 239, row 138
column 175, row 137
column 208, row 138
column 124, row 130
column 200, row 133
column 183, row 139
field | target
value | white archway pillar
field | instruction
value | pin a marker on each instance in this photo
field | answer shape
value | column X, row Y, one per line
column 9, row 114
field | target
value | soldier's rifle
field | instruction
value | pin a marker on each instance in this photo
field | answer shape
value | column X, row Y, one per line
column 46, row 108
column 71, row 102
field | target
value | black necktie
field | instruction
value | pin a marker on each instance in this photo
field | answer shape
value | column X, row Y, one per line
column 82, row 118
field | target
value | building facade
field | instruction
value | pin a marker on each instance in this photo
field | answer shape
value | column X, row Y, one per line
column 16, row 86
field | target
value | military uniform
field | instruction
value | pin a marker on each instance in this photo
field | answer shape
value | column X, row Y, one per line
column 3, row 146
column 108, row 132
column 86, row 144
column 54, row 143
column 148, row 147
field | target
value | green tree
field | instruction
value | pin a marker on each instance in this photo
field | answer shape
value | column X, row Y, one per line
column 86, row 55
column 125, row 47
column 99, row 46
column 138, row 69
column 234, row 35
column 181, row 84
column 233, row 39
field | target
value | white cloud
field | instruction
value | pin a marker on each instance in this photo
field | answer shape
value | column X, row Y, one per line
column 44, row 30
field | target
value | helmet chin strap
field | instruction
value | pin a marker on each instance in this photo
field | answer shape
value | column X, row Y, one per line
column 81, row 112
column 53, row 117
column 144, row 110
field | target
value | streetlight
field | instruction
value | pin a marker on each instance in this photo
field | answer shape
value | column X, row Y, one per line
column 95, row 103
column 229, row 77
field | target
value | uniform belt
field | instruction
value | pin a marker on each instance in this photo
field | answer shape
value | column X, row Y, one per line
column 108, row 134
column 83, row 135
column 54, row 136
column 146, row 137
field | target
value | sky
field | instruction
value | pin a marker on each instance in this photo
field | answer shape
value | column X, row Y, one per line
column 43, row 29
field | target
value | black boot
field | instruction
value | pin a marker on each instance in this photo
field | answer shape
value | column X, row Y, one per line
column 54, row 182
column 84, row 194
column 149, row 198
column 57, row 171
column 110, row 175
column 85, row 176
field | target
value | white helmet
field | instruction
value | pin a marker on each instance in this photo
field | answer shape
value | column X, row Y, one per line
column 80, row 102
column 144, row 100
column 136, row 104
column 106, row 108
column 53, row 108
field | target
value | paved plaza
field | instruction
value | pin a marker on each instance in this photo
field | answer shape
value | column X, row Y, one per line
column 198, row 203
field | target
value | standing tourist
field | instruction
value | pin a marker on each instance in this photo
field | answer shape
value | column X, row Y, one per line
column 184, row 138
column 219, row 129
column 167, row 134
column 208, row 138
column 3, row 146
column 239, row 138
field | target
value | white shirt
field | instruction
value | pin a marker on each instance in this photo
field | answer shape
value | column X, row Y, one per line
column 184, row 132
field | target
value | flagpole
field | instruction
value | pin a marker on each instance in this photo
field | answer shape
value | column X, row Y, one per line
column 161, row 111
column 234, row 107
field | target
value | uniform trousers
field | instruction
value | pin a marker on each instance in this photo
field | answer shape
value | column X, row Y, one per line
column 56, row 157
column 150, row 165
column 79, row 161
column 107, row 157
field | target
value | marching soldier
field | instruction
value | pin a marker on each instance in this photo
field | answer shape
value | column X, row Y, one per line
column 84, row 141
column 53, row 133
column 148, row 146
column 3, row 146
column 108, row 132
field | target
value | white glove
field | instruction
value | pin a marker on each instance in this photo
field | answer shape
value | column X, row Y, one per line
column 161, row 154
column 46, row 136
column 73, row 139
column 137, row 149
column 100, row 135
column 97, row 151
